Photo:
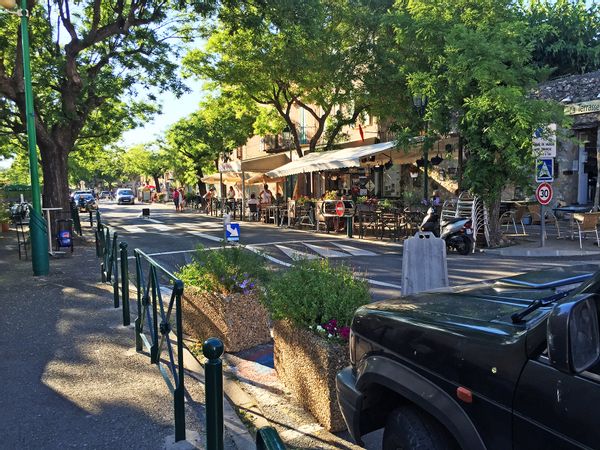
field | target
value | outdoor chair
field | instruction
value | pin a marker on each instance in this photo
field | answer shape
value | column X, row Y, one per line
column 535, row 212
column 513, row 217
column 587, row 223
column 253, row 208
column 23, row 240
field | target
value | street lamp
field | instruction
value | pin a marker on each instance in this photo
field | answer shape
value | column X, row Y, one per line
column 420, row 103
column 39, row 248
column 286, row 133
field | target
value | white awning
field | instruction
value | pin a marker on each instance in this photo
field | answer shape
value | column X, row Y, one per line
column 331, row 160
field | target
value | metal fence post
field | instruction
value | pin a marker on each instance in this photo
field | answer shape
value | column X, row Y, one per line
column 268, row 439
column 349, row 226
column 179, row 393
column 213, row 374
column 139, row 344
column 125, row 283
column 114, row 263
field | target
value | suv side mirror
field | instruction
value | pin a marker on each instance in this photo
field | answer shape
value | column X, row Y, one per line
column 573, row 334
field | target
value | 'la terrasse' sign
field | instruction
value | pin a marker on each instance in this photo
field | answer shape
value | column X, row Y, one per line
column 583, row 108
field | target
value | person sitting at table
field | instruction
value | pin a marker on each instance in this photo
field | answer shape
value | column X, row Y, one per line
column 253, row 207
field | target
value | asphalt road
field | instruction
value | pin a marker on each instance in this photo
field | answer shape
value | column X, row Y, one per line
column 173, row 237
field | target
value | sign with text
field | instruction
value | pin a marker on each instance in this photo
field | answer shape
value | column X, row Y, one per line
column 543, row 193
column 544, row 170
column 583, row 108
column 544, row 142
column 232, row 232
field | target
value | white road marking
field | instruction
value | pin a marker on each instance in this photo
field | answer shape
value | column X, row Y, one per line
column 295, row 254
column 270, row 258
column 355, row 251
column 162, row 227
column 326, row 252
column 132, row 229
column 205, row 236
column 153, row 220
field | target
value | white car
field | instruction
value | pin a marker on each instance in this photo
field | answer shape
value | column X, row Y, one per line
column 125, row 196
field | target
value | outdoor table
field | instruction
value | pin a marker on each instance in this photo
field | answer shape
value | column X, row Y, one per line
column 572, row 210
column 49, row 228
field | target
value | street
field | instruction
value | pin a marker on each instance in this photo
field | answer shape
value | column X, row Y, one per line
column 171, row 238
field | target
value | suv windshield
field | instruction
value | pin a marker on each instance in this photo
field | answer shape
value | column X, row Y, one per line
column 125, row 192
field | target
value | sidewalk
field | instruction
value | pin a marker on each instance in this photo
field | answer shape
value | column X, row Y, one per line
column 70, row 375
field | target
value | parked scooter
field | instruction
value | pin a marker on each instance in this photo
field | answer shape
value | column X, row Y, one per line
column 456, row 231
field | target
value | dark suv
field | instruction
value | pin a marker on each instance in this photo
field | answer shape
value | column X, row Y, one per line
column 511, row 364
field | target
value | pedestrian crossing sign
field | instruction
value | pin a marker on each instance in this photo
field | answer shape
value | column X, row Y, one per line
column 232, row 232
column 544, row 170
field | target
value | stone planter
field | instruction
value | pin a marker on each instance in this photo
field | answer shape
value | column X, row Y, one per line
column 307, row 365
column 240, row 321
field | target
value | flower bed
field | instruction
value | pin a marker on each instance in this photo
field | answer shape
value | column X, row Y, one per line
column 312, row 304
column 222, row 298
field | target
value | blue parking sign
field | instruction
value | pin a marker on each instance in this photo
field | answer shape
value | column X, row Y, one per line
column 232, row 232
column 544, row 170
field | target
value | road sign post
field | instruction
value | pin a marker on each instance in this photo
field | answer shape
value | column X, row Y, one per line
column 543, row 194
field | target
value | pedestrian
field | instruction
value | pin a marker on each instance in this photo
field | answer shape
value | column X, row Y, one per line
column 208, row 200
column 182, row 202
column 265, row 196
column 176, row 199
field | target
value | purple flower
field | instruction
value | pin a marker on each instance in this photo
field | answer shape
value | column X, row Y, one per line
column 345, row 333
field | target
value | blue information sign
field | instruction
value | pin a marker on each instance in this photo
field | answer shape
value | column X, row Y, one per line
column 544, row 170
column 232, row 232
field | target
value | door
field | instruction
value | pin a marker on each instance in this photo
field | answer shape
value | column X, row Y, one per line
column 554, row 410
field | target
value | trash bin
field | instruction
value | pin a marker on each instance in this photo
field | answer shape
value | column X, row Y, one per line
column 64, row 233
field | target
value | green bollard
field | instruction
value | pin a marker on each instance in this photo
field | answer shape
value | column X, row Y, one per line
column 125, row 284
column 114, row 263
column 213, row 374
column 268, row 439
column 349, row 225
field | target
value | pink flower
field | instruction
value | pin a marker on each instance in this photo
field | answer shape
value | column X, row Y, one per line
column 345, row 333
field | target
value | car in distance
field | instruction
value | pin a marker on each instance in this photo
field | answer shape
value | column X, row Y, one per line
column 85, row 201
column 512, row 364
column 105, row 195
column 125, row 196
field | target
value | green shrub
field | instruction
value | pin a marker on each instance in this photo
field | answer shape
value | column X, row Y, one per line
column 315, row 293
column 226, row 270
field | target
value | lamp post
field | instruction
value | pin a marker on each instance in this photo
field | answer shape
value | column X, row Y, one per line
column 287, row 139
column 39, row 248
column 420, row 104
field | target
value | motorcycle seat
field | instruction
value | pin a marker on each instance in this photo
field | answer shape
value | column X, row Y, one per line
column 453, row 220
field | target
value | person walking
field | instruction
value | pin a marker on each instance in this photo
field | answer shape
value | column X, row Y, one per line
column 176, row 199
column 182, row 202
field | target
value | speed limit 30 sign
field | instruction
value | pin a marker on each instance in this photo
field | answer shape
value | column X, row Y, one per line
column 543, row 193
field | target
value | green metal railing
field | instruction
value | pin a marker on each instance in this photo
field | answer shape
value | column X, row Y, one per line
column 76, row 218
column 147, row 328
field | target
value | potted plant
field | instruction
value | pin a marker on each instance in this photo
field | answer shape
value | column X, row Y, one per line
column 312, row 304
column 4, row 218
column 222, row 297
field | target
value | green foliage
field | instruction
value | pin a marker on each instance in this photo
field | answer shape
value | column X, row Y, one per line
column 565, row 35
column 4, row 212
column 226, row 270
column 314, row 292
column 141, row 160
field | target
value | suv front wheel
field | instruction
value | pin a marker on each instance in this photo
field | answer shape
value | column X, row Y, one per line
column 409, row 428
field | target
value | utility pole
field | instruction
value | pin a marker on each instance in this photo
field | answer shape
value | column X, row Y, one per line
column 37, row 224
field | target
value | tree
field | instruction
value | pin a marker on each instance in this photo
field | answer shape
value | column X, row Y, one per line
column 140, row 160
column 89, row 61
column 472, row 59
column 313, row 54
column 98, row 165
column 565, row 35
column 222, row 124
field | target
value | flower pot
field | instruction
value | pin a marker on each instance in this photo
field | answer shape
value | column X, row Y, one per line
column 240, row 321
column 5, row 227
column 307, row 364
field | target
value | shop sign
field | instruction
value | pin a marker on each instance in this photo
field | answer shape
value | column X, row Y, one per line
column 583, row 108
column 230, row 166
column 544, row 142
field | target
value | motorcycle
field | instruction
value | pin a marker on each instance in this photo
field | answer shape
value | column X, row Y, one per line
column 457, row 232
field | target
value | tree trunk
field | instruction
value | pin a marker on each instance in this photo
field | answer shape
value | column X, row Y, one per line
column 156, row 183
column 494, row 223
column 201, row 184
column 55, row 169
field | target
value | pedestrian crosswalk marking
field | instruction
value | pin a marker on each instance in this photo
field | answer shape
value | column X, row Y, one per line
column 326, row 252
column 355, row 251
column 153, row 220
column 161, row 227
column 296, row 254
column 132, row 229
column 205, row 236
